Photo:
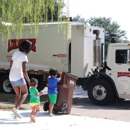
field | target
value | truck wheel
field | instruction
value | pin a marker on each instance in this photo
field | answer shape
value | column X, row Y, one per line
column 5, row 85
column 100, row 92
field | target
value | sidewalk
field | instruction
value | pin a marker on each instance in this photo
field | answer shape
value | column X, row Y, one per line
column 58, row 122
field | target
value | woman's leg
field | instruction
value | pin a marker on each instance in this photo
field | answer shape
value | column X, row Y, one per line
column 24, row 94
column 18, row 95
column 17, row 99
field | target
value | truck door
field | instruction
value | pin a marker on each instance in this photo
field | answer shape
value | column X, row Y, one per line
column 121, row 71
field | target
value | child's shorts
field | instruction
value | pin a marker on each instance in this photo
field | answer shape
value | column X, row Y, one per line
column 33, row 104
column 53, row 98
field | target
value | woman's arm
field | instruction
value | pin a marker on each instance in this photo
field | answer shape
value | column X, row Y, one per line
column 25, row 72
column 11, row 62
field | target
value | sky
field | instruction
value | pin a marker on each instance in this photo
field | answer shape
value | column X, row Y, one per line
column 118, row 10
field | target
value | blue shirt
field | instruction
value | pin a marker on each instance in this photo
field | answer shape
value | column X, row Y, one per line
column 52, row 85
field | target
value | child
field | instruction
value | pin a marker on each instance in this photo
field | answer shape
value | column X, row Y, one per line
column 34, row 99
column 52, row 88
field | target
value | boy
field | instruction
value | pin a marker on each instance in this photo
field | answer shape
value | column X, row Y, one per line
column 52, row 89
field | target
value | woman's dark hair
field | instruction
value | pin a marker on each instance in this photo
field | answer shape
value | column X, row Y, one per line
column 53, row 72
column 25, row 47
column 33, row 82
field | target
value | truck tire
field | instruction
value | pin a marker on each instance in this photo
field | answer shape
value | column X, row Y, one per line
column 5, row 85
column 100, row 92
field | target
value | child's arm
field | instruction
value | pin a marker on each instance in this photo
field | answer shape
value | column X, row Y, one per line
column 39, row 94
column 60, row 75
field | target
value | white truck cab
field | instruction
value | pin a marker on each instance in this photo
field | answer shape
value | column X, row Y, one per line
column 113, row 79
column 118, row 60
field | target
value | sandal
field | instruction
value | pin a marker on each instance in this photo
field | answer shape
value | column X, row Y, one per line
column 32, row 119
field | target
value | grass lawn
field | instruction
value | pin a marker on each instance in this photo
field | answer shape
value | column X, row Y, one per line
column 10, row 108
column 4, row 97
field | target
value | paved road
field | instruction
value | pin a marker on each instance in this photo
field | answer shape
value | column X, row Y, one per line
column 118, row 110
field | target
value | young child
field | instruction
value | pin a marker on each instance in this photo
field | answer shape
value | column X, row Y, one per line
column 52, row 89
column 34, row 99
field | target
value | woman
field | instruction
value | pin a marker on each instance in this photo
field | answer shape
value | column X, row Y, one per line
column 17, row 74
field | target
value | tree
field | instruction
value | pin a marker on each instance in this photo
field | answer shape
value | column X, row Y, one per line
column 111, row 27
column 17, row 12
column 79, row 19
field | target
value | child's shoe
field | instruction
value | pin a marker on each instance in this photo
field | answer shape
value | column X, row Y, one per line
column 32, row 119
column 51, row 114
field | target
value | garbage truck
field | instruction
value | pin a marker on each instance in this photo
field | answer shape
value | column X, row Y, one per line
column 81, row 54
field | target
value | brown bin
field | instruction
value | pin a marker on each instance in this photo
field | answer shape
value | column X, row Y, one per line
column 65, row 93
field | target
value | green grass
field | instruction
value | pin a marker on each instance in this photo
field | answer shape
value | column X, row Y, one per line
column 4, row 97
column 10, row 107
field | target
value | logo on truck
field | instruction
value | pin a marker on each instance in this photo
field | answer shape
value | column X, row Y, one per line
column 15, row 43
column 120, row 74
